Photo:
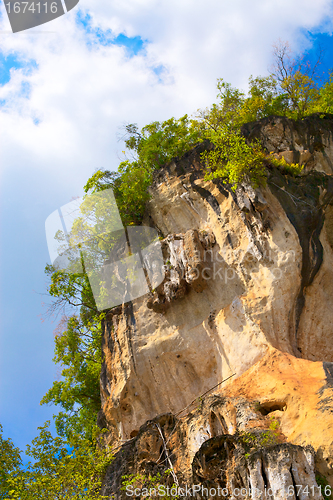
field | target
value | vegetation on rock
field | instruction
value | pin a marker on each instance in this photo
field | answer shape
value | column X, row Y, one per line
column 150, row 486
column 324, row 486
column 292, row 89
column 10, row 464
column 254, row 441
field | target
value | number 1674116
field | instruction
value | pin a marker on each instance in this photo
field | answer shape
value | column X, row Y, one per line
column 34, row 7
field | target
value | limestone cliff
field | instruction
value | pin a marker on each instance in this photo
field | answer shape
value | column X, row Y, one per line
column 247, row 293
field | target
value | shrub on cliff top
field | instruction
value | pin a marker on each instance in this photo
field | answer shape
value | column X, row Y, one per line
column 153, row 146
column 292, row 89
column 233, row 159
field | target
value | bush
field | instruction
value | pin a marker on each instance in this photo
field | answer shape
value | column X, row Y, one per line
column 288, row 168
column 233, row 160
column 150, row 486
column 268, row 438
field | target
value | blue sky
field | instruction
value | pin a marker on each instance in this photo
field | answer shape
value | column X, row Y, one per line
column 65, row 91
column 320, row 41
column 6, row 64
column 95, row 35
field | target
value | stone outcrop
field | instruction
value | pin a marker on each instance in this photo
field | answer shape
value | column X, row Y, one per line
column 308, row 141
column 224, row 443
column 247, row 293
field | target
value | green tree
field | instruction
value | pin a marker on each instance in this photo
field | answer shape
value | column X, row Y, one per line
column 153, row 146
column 263, row 100
column 297, row 81
column 158, row 143
column 325, row 102
column 71, row 289
column 234, row 108
column 10, row 464
column 62, row 469
column 224, row 113
column 78, row 349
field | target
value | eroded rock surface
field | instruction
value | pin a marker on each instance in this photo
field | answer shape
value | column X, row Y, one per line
column 308, row 141
column 248, row 292
column 223, row 445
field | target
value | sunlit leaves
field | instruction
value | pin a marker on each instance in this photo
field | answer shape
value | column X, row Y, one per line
column 61, row 469
column 233, row 159
column 78, row 350
column 10, row 463
column 156, row 144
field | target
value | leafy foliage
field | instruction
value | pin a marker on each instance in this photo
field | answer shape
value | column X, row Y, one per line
column 285, row 167
column 235, row 108
column 78, row 349
column 10, row 463
column 268, row 438
column 62, row 469
column 233, row 159
column 264, row 100
column 293, row 89
column 150, row 486
column 70, row 289
column 156, row 144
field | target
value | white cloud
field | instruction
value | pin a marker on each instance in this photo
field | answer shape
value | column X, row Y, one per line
column 81, row 94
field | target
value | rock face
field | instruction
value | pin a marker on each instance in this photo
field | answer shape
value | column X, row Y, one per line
column 221, row 445
column 309, row 141
column 247, row 293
